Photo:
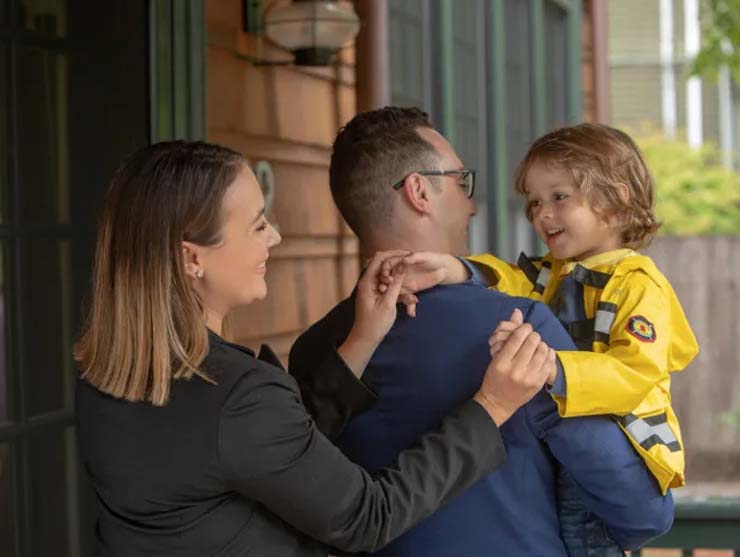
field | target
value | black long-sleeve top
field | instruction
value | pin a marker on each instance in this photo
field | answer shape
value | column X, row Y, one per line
column 239, row 468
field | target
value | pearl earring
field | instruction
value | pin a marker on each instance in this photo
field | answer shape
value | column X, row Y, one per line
column 199, row 273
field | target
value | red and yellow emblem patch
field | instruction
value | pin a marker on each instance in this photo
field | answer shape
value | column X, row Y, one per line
column 641, row 328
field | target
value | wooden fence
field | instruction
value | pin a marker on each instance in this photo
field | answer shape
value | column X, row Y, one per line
column 705, row 272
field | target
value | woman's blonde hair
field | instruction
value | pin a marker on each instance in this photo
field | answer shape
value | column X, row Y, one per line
column 145, row 325
column 600, row 158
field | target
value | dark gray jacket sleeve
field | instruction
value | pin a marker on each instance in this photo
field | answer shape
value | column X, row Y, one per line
column 332, row 393
column 271, row 451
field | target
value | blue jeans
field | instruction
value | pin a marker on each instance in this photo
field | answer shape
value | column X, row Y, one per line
column 583, row 533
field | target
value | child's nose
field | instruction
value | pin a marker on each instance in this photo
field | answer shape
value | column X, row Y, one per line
column 546, row 210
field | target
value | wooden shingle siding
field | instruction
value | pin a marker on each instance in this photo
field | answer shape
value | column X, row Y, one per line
column 287, row 116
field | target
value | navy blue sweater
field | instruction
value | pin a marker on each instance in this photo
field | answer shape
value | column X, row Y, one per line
column 425, row 368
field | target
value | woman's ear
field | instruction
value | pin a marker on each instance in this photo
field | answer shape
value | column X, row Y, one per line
column 416, row 192
column 191, row 260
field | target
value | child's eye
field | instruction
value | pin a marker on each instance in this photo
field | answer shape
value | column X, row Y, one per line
column 533, row 204
column 560, row 196
column 262, row 225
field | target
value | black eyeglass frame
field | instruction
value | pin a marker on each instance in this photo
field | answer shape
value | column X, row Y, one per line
column 463, row 172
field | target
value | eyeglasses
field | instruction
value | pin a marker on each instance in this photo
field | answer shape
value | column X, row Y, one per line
column 467, row 176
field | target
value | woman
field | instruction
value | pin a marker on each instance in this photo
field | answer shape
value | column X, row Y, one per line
column 196, row 447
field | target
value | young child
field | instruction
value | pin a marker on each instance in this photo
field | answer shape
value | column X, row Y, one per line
column 589, row 197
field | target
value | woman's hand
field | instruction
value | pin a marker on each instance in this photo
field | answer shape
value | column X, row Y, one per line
column 424, row 269
column 519, row 370
column 375, row 311
column 503, row 332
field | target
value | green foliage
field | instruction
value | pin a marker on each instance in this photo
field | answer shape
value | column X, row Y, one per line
column 695, row 194
column 720, row 39
column 732, row 418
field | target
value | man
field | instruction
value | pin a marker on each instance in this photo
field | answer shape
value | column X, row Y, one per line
column 400, row 185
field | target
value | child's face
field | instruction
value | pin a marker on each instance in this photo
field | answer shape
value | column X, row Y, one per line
column 562, row 217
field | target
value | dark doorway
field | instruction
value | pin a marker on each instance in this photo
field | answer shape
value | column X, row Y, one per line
column 74, row 101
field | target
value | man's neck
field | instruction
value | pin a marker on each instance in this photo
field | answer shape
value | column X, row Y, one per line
column 370, row 248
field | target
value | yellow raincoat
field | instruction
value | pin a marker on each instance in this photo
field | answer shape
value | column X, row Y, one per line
column 634, row 336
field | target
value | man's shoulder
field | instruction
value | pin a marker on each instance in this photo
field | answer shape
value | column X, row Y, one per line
column 480, row 307
column 475, row 299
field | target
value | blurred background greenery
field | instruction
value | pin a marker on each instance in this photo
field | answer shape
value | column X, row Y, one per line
column 695, row 193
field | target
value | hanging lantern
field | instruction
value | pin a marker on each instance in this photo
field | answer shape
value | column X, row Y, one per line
column 313, row 30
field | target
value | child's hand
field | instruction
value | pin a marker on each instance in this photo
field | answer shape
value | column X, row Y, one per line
column 424, row 270
column 503, row 332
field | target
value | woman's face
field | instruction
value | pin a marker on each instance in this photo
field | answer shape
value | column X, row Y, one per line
column 234, row 270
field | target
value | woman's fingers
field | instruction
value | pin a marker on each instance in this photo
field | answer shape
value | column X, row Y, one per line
column 512, row 345
column 539, row 358
column 499, row 337
column 394, row 289
column 507, row 326
column 389, row 265
column 517, row 317
column 390, row 269
column 375, row 312
column 522, row 359
column 370, row 275
column 502, row 332
column 515, row 375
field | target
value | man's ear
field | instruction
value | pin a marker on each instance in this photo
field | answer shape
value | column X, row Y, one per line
column 416, row 192
column 191, row 259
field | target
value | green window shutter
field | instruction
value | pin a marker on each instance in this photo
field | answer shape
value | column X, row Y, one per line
column 524, row 110
column 498, row 122
column 468, row 84
column 556, row 69
column 177, row 69
column 407, row 58
column 574, row 61
column 562, row 34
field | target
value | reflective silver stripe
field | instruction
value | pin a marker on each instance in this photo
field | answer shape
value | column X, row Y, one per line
column 665, row 433
column 604, row 321
column 543, row 276
column 651, row 431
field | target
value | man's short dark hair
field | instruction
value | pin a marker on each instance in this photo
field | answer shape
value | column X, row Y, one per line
column 372, row 152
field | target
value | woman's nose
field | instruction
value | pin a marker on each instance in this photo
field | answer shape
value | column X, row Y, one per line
column 275, row 238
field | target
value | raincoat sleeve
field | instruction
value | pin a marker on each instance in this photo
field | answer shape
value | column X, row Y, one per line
column 502, row 276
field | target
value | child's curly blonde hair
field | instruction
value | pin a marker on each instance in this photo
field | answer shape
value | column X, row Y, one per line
column 601, row 158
